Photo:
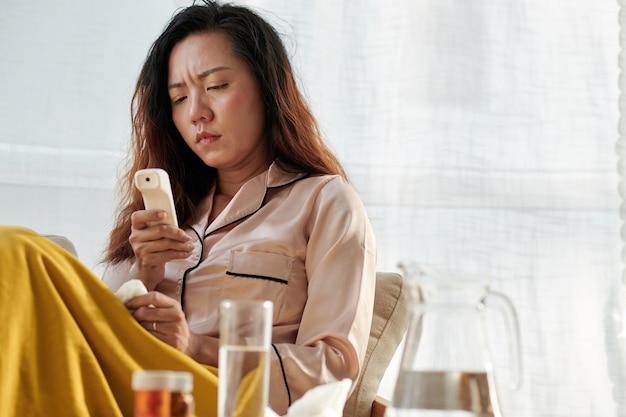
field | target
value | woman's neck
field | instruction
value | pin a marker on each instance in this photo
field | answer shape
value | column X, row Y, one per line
column 229, row 182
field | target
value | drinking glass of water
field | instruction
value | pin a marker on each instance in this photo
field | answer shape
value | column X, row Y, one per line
column 245, row 340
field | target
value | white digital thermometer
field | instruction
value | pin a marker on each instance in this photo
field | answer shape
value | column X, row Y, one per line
column 155, row 188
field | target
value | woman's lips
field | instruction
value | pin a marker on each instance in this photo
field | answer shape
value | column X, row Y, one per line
column 204, row 137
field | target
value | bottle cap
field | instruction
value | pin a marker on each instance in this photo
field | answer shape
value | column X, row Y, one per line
column 162, row 380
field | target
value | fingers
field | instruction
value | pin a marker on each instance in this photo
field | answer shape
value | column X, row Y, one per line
column 159, row 252
column 156, row 306
column 140, row 219
column 168, row 332
column 162, row 316
column 157, row 244
column 140, row 222
column 153, row 300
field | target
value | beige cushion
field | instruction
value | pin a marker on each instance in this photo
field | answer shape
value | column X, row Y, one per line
column 391, row 315
column 64, row 242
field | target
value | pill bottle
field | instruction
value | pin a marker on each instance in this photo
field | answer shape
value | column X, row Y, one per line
column 163, row 394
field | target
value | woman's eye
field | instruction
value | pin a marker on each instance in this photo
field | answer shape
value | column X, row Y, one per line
column 179, row 100
column 217, row 87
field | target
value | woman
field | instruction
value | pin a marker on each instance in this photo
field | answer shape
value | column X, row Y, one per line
column 264, row 208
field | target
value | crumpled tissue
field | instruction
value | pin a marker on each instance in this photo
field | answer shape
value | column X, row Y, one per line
column 325, row 400
column 131, row 289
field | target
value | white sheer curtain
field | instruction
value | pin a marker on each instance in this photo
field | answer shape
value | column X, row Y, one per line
column 67, row 74
column 480, row 134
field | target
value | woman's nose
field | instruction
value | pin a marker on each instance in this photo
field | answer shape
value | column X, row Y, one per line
column 200, row 110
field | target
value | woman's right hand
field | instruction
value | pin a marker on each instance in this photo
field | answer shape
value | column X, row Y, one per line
column 155, row 245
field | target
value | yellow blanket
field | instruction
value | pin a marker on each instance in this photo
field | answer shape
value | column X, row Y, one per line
column 68, row 346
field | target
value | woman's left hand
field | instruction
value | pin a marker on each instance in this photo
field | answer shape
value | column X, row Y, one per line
column 163, row 317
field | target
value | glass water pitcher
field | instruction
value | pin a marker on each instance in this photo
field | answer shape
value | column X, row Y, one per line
column 445, row 369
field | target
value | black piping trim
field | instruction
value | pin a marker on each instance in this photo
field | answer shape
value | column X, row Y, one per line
column 308, row 174
column 242, row 218
column 282, row 368
column 182, row 285
column 279, row 280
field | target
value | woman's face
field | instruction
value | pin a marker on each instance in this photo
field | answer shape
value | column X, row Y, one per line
column 216, row 103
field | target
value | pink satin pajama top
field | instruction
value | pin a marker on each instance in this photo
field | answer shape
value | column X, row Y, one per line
column 303, row 242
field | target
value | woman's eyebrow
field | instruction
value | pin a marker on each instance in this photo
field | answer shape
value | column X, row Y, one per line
column 202, row 75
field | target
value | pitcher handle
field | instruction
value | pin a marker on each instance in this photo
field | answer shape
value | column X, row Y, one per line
column 502, row 303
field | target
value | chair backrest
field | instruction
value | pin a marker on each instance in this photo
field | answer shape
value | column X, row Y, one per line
column 64, row 242
column 391, row 316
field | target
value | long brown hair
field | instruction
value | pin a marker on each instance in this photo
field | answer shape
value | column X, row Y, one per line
column 293, row 135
